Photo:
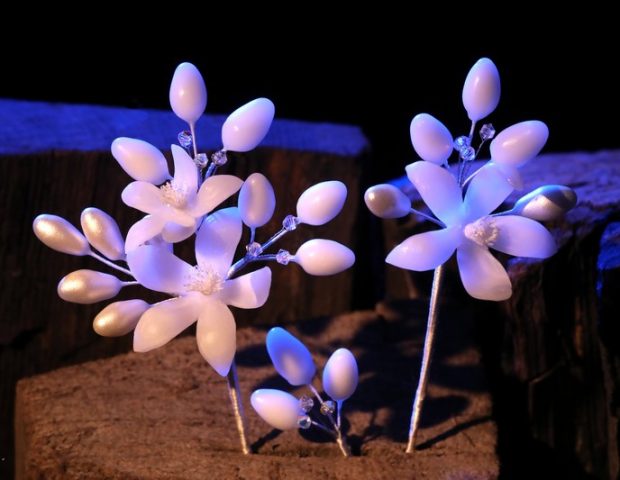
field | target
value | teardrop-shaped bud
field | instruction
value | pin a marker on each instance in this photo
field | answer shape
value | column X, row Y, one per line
column 246, row 127
column 481, row 90
column 430, row 138
column 119, row 318
column 103, row 233
column 548, row 202
column 340, row 375
column 387, row 201
column 279, row 409
column 140, row 160
column 519, row 143
column 88, row 286
column 188, row 93
column 321, row 202
column 256, row 201
column 323, row 257
column 291, row 359
column 58, row 234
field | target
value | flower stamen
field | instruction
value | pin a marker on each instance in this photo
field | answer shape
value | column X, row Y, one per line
column 483, row 231
column 204, row 280
column 175, row 194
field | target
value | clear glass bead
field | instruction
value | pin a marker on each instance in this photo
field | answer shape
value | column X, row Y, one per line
column 201, row 160
column 254, row 249
column 328, row 407
column 460, row 142
column 185, row 139
column 306, row 403
column 219, row 158
column 283, row 257
column 304, row 422
column 467, row 154
column 290, row 223
column 487, row 132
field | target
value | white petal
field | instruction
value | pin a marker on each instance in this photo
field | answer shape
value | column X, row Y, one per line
column 438, row 189
column 216, row 335
column 248, row 291
column 523, row 237
column 177, row 215
column 158, row 269
column 174, row 233
column 214, row 191
column 142, row 231
column 142, row 196
column 425, row 251
column 482, row 275
column 164, row 321
column 217, row 240
column 487, row 190
column 185, row 171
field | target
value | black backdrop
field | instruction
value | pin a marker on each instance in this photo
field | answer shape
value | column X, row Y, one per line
column 377, row 74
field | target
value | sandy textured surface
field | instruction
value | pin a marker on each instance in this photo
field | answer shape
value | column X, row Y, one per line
column 165, row 414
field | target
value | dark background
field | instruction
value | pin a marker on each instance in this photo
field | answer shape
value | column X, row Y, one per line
column 376, row 74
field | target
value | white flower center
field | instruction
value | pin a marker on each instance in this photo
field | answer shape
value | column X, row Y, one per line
column 483, row 231
column 204, row 280
column 174, row 194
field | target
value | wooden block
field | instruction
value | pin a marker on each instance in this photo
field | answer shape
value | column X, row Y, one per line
column 165, row 414
column 56, row 159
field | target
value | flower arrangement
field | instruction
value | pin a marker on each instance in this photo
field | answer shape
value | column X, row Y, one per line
column 462, row 205
column 181, row 206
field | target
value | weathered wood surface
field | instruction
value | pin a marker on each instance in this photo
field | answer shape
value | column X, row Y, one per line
column 165, row 414
column 556, row 386
column 56, row 159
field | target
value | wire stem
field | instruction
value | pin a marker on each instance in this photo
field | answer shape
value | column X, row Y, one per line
column 427, row 355
column 341, row 439
column 234, row 393
column 110, row 264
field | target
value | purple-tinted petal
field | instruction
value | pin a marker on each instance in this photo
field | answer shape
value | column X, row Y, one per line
column 185, row 170
column 487, row 190
column 217, row 239
column 174, row 233
column 158, row 269
column 165, row 320
column 247, row 291
column 142, row 196
column 214, row 191
column 481, row 273
column 425, row 251
column 438, row 189
column 142, row 231
column 216, row 335
column 523, row 237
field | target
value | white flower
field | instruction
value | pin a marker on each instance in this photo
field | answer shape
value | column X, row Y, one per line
column 470, row 230
column 201, row 293
column 176, row 207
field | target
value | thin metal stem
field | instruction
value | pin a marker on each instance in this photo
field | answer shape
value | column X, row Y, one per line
column 427, row 217
column 240, row 264
column 128, row 284
column 338, row 410
column 470, row 178
column 341, row 439
column 192, row 129
column 110, row 264
column 234, row 393
column 463, row 164
column 211, row 170
column 427, row 355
